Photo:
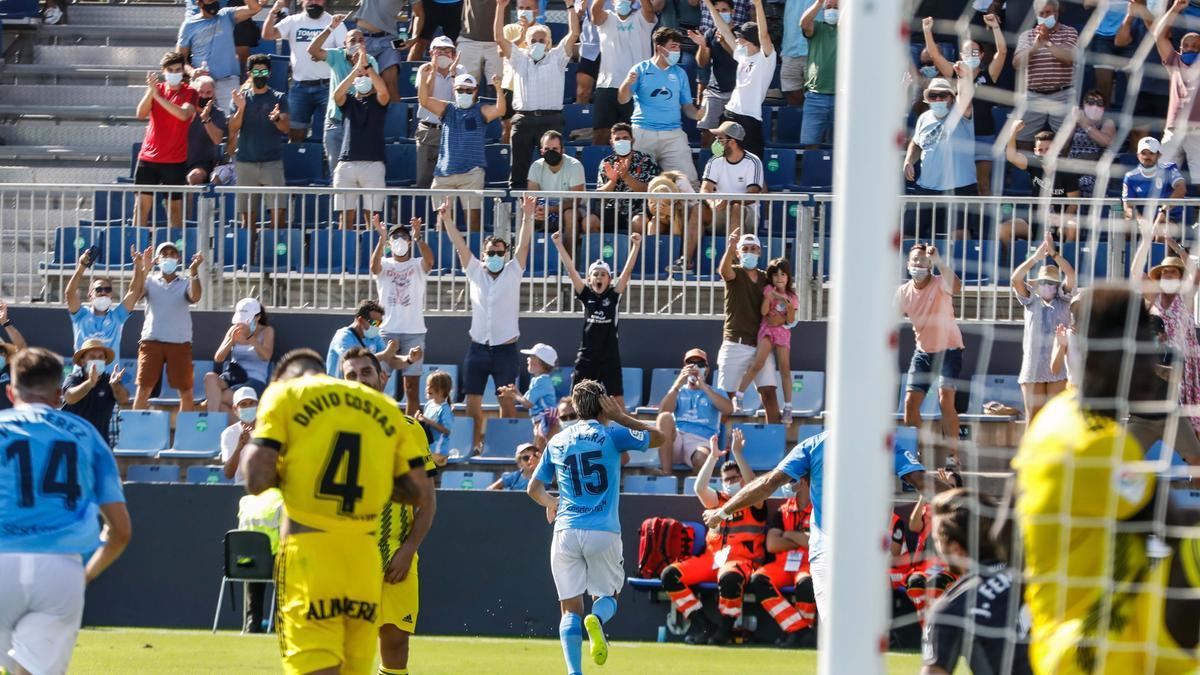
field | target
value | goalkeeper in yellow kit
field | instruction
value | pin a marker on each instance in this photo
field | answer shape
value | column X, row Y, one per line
column 1105, row 596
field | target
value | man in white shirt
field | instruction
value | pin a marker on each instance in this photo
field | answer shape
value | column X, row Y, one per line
column 558, row 172
column 444, row 60
column 495, row 291
column 237, row 435
column 732, row 170
column 539, row 74
column 755, row 57
column 624, row 41
column 309, row 93
column 401, row 281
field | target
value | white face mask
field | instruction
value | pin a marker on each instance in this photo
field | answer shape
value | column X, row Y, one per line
column 537, row 51
column 101, row 303
column 444, row 61
column 918, row 273
column 247, row 415
column 731, row 489
column 1047, row 291
column 173, row 79
column 399, row 246
column 96, row 365
column 622, row 147
column 463, row 100
column 1170, row 286
column 1093, row 112
column 1148, row 170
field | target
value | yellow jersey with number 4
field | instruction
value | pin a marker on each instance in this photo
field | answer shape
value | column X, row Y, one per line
column 340, row 446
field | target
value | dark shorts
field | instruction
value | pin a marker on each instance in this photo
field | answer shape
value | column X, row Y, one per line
column 499, row 361
column 606, row 371
column 246, row 34
column 946, row 364
column 207, row 166
column 606, row 111
column 589, row 67
column 156, row 173
column 1101, row 52
column 447, row 16
column 235, row 377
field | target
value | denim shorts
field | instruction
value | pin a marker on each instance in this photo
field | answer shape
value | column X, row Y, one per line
column 948, row 364
column 499, row 361
column 306, row 101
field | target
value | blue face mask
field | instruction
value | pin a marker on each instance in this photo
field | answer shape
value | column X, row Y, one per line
column 1048, row 21
column 623, row 8
column 253, row 325
column 741, row 52
column 526, row 14
column 972, row 62
column 371, row 332
column 168, row 265
column 831, row 16
column 363, row 85
column 929, row 71
column 939, row 108
column 495, row 264
column 725, row 16
column 1188, row 58
column 537, row 51
column 672, row 58
column 247, row 415
column 749, row 260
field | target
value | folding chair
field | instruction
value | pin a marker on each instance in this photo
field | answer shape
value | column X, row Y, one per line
column 248, row 559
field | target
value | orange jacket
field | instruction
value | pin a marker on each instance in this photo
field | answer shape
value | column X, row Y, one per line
column 745, row 534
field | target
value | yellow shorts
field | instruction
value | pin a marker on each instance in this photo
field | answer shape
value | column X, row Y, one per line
column 329, row 587
column 402, row 601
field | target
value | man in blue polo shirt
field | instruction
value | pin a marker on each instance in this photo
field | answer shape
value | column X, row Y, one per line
column 662, row 95
column 1153, row 179
column 102, row 319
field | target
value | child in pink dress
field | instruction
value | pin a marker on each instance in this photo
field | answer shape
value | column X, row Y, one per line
column 779, row 311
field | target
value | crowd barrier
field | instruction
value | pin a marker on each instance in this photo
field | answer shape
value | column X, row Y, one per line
column 294, row 248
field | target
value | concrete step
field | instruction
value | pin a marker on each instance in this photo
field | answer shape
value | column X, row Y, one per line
column 61, row 175
column 117, row 96
column 119, row 36
column 72, row 134
column 93, row 55
column 151, row 16
column 79, row 74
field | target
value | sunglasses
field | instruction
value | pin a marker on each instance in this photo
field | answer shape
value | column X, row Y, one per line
column 1094, row 101
column 102, row 289
column 375, row 322
column 260, row 73
column 937, row 96
column 496, row 254
column 700, row 364
column 525, row 458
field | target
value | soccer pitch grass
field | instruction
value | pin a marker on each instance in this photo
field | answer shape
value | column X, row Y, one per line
column 141, row 650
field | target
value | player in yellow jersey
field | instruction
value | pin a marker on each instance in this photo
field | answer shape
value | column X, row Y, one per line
column 402, row 528
column 1104, row 595
column 337, row 452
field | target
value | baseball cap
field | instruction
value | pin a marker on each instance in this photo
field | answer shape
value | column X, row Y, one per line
column 400, row 228
column 164, row 246
column 544, row 352
column 599, row 265
column 441, row 41
column 696, row 353
column 748, row 32
column 749, row 239
column 940, row 84
column 732, row 130
column 244, row 394
column 246, row 309
column 1149, row 143
column 465, row 80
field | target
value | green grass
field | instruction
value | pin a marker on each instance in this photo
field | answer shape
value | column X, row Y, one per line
column 136, row 650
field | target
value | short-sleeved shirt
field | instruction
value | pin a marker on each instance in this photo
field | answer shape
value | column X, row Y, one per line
column 695, row 413
column 722, row 77
column 641, row 166
column 794, row 44
column 514, row 480
column 211, row 40
column 363, row 120
column 1064, row 182
column 166, row 140
column 71, row 473
column 754, row 73
column 200, row 147
column 339, row 68
column 229, row 442
column 300, row 31
column 541, row 394
column 931, row 311
column 822, row 59
column 623, row 44
column 599, row 341
column 341, row 446
column 657, row 96
column 1159, row 185
column 538, row 85
column 168, row 310
column 735, row 177
column 1184, row 85
column 107, row 327
column 743, row 306
column 1045, row 73
column 1037, row 346
column 401, row 285
column 96, row 406
column 462, row 138
column 442, row 414
column 585, row 459
column 259, row 139
column 979, row 618
column 568, row 176
column 947, row 150
column 345, row 339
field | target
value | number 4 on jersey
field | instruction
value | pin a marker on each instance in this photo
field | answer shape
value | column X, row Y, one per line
column 347, row 448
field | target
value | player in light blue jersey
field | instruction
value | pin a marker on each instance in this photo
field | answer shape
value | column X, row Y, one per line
column 56, row 476
column 585, row 554
column 808, row 459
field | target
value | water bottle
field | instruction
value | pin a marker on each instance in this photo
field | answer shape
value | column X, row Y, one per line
column 662, row 633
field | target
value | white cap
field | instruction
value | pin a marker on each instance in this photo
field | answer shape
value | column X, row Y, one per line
column 1149, row 143
column 749, row 239
column 244, row 394
column 246, row 310
column 466, row 79
column 544, row 352
column 599, row 265
column 441, row 41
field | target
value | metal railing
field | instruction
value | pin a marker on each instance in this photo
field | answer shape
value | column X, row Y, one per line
column 311, row 262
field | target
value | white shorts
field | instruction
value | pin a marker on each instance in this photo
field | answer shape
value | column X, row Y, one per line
column 586, row 561
column 794, row 73
column 359, row 175
column 685, row 445
column 735, row 359
column 818, row 568
column 41, row 608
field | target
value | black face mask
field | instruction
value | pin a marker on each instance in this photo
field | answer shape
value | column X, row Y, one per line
column 261, row 82
column 211, row 7
column 552, row 157
column 314, row 11
column 205, row 101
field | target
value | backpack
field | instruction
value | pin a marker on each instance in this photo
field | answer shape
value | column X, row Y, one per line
column 662, row 541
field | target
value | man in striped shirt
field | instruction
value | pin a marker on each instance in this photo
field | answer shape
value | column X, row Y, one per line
column 1046, row 53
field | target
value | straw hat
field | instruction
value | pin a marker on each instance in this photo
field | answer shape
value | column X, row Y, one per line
column 87, row 346
column 1169, row 261
column 1049, row 273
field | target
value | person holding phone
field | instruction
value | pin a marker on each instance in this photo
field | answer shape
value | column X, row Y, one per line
column 102, row 318
column 690, row 414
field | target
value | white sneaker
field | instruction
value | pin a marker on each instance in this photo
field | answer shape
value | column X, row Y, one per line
column 787, row 414
column 739, row 401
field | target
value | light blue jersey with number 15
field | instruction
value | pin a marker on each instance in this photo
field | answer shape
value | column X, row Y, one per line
column 586, row 460
column 55, row 471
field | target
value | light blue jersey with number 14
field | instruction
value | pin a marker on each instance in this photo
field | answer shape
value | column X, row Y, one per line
column 55, row 471
column 586, row 460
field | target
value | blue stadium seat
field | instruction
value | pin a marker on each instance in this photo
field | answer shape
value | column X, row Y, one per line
column 169, row 396
column 395, row 124
column 561, row 377
column 501, row 436
column 975, row 261
column 493, row 131
column 986, row 387
column 788, row 121
column 134, row 151
column 186, row 239
column 689, row 484
column 710, row 252
column 641, row 459
column 462, row 438
column 197, row 435
column 310, row 210
column 658, row 251
column 768, row 121
column 304, row 164
column 816, row 171
column 152, row 473
column 406, row 79
column 577, row 116
column 112, row 205
column 750, row 404
column 336, row 251
column 279, row 251
column 765, row 444
column 235, row 248
column 569, row 82
column 653, row 485
column 661, row 380
column 142, row 433
column 445, row 257
column 401, row 164
column 117, row 242
column 279, row 67
column 499, row 165
column 206, row 475
column 467, row 480
column 70, row 242
column 808, row 393
column 18, row 9
column 1090, row 260
column 543, row 256
column 631, row 381
column 558, row 31
column 930, row 408
column 591, row 158
column 609, row 247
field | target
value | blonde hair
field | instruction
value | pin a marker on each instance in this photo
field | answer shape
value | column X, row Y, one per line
column 439, row 381
column 665, row 183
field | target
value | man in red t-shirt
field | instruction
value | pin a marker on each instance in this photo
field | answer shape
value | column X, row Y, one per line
column 163, row 160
